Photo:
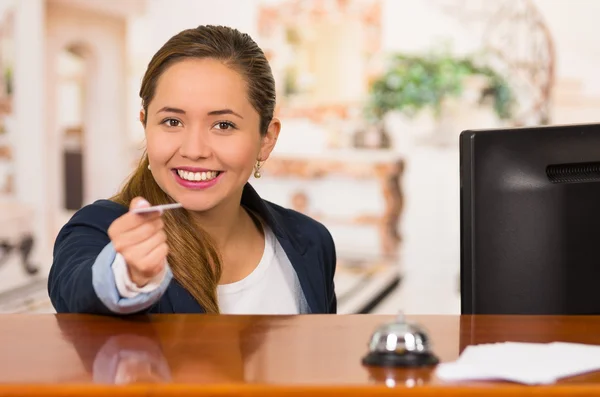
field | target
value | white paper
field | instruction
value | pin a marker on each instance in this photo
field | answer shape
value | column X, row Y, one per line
column 527, row 363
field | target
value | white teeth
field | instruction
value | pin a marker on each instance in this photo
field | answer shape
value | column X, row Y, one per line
column 197, row 176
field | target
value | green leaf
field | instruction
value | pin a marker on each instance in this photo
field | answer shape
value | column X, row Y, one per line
column 412, row 83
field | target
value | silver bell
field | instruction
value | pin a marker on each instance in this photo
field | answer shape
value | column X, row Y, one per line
column 400, row 344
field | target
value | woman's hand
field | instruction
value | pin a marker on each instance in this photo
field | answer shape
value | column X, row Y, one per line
column 142, row 241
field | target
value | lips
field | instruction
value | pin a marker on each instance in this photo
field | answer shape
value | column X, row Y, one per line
column 197, row 176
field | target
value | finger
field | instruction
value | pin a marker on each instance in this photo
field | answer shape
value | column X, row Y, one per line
column 137, row 252
column 158, row 256
column 124, row 240
column 139, row 202
column 130, row 221
column 153, row 263
column 138, row 279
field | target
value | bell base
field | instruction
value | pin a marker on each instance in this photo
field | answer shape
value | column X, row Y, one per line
column 391, row 359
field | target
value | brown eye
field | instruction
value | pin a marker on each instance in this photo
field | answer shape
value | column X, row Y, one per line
column 225, row 125
column 172, row 123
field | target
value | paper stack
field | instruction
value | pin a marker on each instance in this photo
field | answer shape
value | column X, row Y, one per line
column 527, row 363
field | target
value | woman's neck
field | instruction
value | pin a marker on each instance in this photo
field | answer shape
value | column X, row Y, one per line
column 225, row 222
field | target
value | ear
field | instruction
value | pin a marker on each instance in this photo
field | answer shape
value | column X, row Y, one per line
column 142, row 117
column 269, row 140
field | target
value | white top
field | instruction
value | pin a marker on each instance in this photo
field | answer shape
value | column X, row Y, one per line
column 271, row 288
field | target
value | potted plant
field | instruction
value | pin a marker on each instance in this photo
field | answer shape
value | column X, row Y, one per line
column 8, row 80
column 412, row 83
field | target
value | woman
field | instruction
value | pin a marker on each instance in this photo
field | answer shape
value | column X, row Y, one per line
column 208, row 98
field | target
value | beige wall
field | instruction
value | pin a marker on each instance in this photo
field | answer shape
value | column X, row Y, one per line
column 101, row 39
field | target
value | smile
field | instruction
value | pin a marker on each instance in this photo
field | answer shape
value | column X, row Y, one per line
column 197, row 176
column 196, row 179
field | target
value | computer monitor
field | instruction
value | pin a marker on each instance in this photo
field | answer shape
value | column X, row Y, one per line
column 530, row 220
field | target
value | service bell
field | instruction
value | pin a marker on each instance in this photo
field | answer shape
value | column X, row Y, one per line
column 400, row 344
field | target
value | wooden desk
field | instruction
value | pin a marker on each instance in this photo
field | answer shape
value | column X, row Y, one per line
column 260, row 356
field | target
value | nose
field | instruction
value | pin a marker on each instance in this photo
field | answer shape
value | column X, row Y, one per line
column 195, row 145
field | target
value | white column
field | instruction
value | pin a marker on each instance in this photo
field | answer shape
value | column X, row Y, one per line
column 29, row 135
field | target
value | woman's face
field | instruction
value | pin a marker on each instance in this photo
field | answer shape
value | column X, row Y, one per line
column 202, row 134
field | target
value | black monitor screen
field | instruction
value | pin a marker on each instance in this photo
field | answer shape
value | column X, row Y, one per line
column 530, row 220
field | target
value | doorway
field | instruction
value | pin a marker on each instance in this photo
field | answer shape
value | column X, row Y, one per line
column 71, row 100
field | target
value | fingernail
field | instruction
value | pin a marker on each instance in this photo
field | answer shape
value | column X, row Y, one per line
column 142, row 204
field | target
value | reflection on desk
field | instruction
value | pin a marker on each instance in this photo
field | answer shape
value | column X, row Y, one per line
column 260, row 355
column 130, row 358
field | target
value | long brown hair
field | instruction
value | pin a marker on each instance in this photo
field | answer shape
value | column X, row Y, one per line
column 193, row 258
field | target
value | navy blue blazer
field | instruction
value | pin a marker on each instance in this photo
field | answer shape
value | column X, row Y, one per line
column 307, row 243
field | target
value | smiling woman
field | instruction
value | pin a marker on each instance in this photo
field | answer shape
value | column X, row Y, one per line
column 202, row 131
column 208, row 98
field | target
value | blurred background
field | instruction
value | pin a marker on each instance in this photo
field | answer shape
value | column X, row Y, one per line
column 372, row 94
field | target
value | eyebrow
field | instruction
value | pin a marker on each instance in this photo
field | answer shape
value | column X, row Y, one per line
column 167, row 109
column 219, row 112
column 224, row 111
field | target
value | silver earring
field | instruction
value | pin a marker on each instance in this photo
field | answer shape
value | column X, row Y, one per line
column 257, row 169
column 148, row 166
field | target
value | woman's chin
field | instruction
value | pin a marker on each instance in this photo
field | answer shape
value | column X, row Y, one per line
column 196, row 205
column 197, row 208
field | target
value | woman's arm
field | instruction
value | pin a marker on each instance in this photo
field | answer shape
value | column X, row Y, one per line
column 82, row 276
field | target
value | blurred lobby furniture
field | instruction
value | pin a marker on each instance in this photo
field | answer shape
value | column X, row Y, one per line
column 361, row 285
column 30, row 297
column 518, row 39
column 73, row 165
column 16, row 234
column 6, row 174
column 520, row 24
column 257, row 355
column 386, row 167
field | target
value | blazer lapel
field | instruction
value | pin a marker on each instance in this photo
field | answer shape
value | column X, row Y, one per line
column 303, row 254
column 307, row 269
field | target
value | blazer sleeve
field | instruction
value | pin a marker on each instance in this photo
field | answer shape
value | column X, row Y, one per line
column 104, row 281
column 330, row 261
column 81, row 278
